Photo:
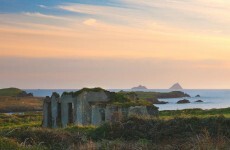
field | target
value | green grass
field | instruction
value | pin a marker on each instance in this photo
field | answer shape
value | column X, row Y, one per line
column 10, row 92
column 186, row 113
column 17, row 120
column 147, row 95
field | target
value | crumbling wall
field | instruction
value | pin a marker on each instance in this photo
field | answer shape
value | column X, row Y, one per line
column 54, row 112
column 45, row 114
column 138, row 110
column 65, row 100
column 85, row 108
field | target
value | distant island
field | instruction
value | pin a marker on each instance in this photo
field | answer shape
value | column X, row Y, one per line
column 140, row 87
column 176, row 86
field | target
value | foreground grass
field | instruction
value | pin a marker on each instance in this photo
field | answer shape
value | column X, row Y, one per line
column 180, row 129
column 20, row 120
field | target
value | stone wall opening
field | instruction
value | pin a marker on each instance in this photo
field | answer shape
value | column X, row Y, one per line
column 49, row 117
column 59, row 115
column 70, row 113
column 102, row 114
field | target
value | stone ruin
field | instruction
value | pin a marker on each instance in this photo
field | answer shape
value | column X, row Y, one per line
column 87, row 107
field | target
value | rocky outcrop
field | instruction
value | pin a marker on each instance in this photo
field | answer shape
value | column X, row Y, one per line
column 199, row 101
column 174, row 94
column 184, row 101
column 24, row 94
column 197, row 96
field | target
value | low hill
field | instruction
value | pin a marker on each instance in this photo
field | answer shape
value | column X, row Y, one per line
column 14, row 92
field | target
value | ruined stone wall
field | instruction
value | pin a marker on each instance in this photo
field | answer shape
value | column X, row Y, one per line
column 87, row 108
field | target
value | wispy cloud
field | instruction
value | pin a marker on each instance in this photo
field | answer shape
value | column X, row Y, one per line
column 197, row 15
column 37, row 14
column 43, row 6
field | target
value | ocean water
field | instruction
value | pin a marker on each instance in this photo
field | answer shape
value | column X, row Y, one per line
column 212, row 98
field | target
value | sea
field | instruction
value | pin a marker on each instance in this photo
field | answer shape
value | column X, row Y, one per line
column 212, row 98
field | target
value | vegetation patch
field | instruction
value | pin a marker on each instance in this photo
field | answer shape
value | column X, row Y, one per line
column 76, row 93
column 10, row 92
column 179, row 129
column 10, row 104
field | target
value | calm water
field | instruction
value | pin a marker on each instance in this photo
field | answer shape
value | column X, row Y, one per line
column 211, row 98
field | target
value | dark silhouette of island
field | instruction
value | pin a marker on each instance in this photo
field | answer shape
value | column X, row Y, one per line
column 184, row 101
column 176, row 86
column 140, row 87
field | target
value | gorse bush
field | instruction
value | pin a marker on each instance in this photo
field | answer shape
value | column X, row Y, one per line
column 158, row 130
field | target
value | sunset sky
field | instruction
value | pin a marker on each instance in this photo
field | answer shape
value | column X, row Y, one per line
column 114, row 43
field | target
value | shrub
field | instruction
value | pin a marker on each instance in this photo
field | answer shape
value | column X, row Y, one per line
column 8, row 144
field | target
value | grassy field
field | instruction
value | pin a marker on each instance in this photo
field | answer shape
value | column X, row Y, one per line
column 17, row 100
column 14, row 104
column 180, row 129
column 188, row 113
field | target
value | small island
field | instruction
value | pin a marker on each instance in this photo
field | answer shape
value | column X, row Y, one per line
column 140, row 87
column 176, row 86
column 184, row 101
column 199, row 101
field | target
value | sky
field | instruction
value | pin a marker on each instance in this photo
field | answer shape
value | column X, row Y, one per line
column 114, row 43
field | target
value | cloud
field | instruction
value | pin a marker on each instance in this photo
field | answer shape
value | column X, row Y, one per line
column 195, row 16
column 195, row 11
column 43, row 6
column 109, row 14
column 90, row 22
column 37, row 14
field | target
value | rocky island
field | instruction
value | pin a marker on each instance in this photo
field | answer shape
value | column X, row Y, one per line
column 184, row 101
column 140, row 87
column 199, row 101
column 176, row 86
